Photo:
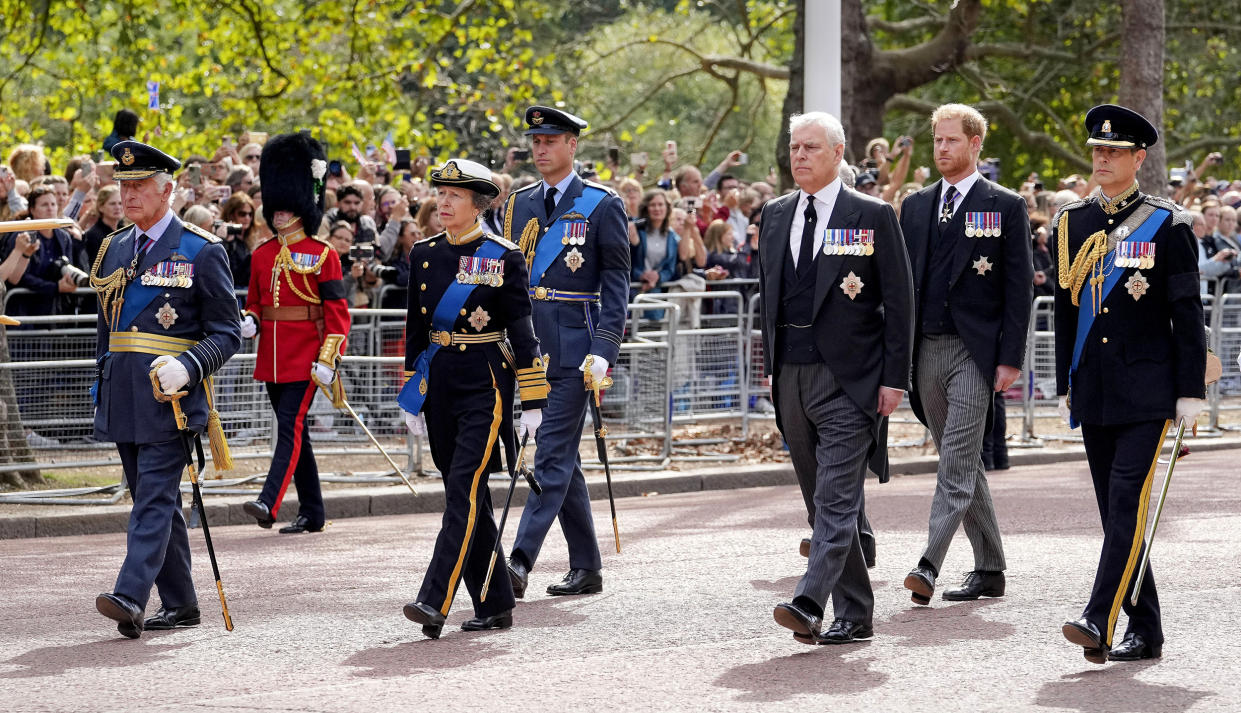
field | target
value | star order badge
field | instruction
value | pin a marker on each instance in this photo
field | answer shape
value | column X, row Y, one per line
column 852, row 285
column 166, row 315
column 982, row 264
column 574, row 260
column 1137, row 285
column 479, row 319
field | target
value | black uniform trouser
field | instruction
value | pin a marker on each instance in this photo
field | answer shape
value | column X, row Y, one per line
column 464, row 417
column 1123, row 466
column 157, row 548
column 293, row 458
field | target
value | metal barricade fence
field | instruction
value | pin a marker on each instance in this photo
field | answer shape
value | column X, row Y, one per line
column 1226, row 343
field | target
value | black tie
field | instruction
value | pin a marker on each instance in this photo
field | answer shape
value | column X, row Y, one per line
column 805, row 255
column 549, row 201
column 945, row 213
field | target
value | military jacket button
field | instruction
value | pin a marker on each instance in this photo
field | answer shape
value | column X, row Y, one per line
column 1105, row 340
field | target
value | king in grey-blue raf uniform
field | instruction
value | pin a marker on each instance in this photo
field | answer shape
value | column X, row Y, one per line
column 573, row 234
column 165, row 302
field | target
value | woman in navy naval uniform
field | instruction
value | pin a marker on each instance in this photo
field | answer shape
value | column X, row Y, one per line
column 469, row 339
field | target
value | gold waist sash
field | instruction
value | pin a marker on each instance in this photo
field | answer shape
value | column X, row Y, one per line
column 147, row 343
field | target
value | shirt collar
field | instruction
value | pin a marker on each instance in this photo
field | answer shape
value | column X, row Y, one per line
column 963, row 186
column 161, row 226
column 560, row 187
column 825, row 195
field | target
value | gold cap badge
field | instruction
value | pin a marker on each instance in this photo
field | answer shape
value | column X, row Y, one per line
column 536, row 118
column 127, row 158
column 1107, row 126
column 450, row 171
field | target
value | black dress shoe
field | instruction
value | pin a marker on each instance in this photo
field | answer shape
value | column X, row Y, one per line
column 166, row 618
column 300, row 524
column 805, row 547
column 127, row 614
column 503, row 620
column 803, row 624
column 977, row 584
column 1135, row 648
column 578, row 581
column 843, row 631
column 431, row 619
column 1086, row 635
column 258, row 510
column 921, row 582
column 519, row 576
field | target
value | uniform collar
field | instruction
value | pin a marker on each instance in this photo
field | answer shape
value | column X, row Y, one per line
column 468, row 236
column 292, row 233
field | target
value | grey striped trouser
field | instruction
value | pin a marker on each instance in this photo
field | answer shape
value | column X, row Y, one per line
column 829, row 439
column 955, row 397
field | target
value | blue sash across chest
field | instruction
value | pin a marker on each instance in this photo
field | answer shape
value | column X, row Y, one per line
column 138, row 296
column 553, row 242
column 442, row 319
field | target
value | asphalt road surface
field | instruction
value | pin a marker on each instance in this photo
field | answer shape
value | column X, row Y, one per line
column 684, row 622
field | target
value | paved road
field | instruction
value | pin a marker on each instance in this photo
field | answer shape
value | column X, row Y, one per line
column 684, row 622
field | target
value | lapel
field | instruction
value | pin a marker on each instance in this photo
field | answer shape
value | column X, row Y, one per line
column 922, row 238
column 120, row 251
column 535, row 200
column 566, row 201
column 163, row 248
column 844, row 215
column 776, row 246
column 980, row 198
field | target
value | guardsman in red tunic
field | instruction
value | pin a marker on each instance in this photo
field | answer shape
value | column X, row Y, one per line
column 297, row 307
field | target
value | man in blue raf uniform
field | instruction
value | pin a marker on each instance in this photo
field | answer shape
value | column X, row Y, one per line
column 573, row 234
column 1130, row 363
column 165, row 301
column 969, row 246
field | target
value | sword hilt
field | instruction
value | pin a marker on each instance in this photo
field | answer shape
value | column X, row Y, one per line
column 174, row 398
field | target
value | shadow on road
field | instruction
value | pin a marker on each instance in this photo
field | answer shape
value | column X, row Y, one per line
column 1115, row 689
column 819, row 670
column 111, row 653
column 456, row 649
column 941, row 623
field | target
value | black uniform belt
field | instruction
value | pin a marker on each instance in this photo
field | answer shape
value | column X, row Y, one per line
column 445, row 339
column 546, row 294
column 147, row 343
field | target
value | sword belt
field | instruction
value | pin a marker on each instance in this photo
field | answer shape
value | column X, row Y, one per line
column 293, row 314
column 147, row 343
column 546, row 294
column 445, row 339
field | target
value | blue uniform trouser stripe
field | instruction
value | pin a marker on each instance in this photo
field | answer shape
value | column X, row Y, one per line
column 558, row 465
column 157, row 547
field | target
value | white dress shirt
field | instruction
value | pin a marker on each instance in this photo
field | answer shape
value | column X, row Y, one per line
column 560, row 188
column 824, row 203
column 963, row 187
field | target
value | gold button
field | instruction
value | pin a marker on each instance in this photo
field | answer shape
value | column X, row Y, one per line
column 431, row 244
column 503, row 365
column 424, row 286
column 461, row 347
column 1105, row 310
column 1110, row 221
column 426, row 264
column 424, row 310
column 463, row 312
column 133, row 329
column 1105, row 340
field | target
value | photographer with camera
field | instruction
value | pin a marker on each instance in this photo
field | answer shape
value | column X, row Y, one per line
column 55, row 262
column 238, row 229
column 1192, row 183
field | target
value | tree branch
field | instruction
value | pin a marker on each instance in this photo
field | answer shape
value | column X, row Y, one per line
column 1190, row 149
column 635, row 105
column 913, row 24
column 38, row 45
column 905, row 69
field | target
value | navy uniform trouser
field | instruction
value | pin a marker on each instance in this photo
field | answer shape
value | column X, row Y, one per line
column 293, row 458
column 464, row 418
column 558, row 465
column 157, row 547
column 1123, row 465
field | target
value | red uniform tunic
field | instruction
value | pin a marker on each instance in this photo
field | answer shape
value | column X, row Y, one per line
column 297, row 298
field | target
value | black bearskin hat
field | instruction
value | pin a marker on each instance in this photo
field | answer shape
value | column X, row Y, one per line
column 292, row 171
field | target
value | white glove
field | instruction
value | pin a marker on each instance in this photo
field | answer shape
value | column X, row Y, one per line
column 416, row 424
column 248, row 327
column 1062, row 408
column 530, row 420
column 325, row 374
column 1187, row 410
column 172, row 374
column 598, row 368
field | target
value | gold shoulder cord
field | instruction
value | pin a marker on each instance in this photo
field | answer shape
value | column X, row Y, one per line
column 529, row 237
column 1088, row 263
column 110, row 289
column 508, row 217
column 285, row 263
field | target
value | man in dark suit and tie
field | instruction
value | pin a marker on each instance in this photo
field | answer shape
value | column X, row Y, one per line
column 837, row 335
column 969, row 245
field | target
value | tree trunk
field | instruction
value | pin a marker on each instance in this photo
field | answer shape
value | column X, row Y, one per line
column 794, row 101
column 862, row 98
column 1141, row 81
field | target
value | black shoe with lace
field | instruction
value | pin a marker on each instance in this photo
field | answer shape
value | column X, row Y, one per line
column 977, row 584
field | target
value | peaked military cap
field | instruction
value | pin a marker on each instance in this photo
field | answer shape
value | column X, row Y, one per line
column 136, row 160
column 465, row 173
column 1120, row 127
column 546, row 120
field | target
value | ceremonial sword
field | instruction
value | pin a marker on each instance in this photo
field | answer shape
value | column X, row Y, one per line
column 514, row 470
column 185, row 436
column 596, row 388
column 342, row 403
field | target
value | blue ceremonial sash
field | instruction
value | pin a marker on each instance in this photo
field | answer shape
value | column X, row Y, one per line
column 1085, row 317
column 442, row 319
column 138, row 296
column 551, row 244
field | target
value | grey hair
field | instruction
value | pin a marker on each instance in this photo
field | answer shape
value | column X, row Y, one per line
column 830, row 124
column 162, row 179
column 481, row 201
column 846, row 173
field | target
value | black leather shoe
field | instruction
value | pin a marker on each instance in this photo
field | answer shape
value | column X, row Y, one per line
column 977, row 584
column 843, row 631
column 258, row 510
column 1086, row 635
column 166, row 618
column 921, row 582
column 805, row 547
column 519, row 576
column 502, row 620
column 432, row 621
column 578, row 581
column 804, row 625
column 1135, row 648
column 127, row 614
column 300, row 524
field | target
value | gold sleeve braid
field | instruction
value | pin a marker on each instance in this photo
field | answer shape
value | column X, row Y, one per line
column 329, row 353
column 532, row 381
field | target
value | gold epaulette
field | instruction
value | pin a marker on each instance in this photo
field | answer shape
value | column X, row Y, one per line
column 204, row 234
column 532, row 381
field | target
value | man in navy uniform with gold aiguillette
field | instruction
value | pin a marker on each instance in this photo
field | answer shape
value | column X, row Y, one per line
column 575, row 238
column 1130, row 363
column 165, row 302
